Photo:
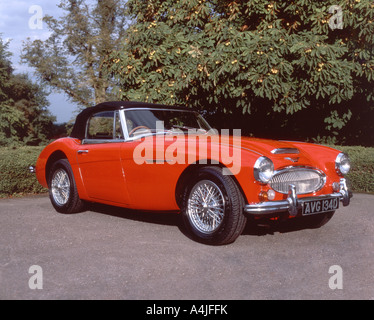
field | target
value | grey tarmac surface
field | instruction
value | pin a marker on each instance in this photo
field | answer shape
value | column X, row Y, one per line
column 113, row 253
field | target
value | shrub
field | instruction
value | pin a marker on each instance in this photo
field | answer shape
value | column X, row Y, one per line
column 361, row 177
column 14, row 175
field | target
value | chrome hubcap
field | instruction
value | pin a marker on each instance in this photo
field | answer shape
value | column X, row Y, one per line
column 60, row 187
column 206, row 206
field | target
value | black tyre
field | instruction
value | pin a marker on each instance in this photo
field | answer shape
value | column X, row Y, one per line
column 62, row 188
column 212, row 207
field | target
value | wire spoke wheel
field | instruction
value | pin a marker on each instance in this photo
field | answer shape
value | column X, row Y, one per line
column 206, row 206
column 63, row 191
column 60, row 187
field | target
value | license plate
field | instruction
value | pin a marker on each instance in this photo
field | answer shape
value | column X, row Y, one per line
column 320, row 206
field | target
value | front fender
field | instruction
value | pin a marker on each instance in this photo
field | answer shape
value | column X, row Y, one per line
column 59, row 149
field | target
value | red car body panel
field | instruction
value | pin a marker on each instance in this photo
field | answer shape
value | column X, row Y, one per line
column 109, row 174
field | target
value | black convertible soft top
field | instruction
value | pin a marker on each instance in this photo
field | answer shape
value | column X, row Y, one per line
column 81, row 120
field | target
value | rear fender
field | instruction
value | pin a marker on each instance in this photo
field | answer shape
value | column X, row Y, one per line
column 65, row 148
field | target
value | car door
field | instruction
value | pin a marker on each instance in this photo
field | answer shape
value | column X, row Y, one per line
column 151, row 177
column 99, row 158
column 151, row 159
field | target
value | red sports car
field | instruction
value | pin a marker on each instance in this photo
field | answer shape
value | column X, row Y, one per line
column 167, row 158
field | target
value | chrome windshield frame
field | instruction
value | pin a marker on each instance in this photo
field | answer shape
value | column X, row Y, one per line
column 125, row 127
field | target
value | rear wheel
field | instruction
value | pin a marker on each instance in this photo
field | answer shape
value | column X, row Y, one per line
column 62, row 188
column 213, row 207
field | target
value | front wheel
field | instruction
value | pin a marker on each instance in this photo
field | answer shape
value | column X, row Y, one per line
column 213, row 207
column 62, row 189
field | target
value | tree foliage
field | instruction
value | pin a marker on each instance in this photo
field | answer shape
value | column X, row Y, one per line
column 278, row 61
column 24, row 117
column 5, row 70
column 71, row 60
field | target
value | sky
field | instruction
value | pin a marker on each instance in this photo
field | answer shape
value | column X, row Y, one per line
column 19, row 21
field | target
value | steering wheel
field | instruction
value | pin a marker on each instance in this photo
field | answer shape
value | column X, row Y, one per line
column 137, row 128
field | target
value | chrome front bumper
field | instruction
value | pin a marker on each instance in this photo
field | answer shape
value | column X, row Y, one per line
column 293, row 204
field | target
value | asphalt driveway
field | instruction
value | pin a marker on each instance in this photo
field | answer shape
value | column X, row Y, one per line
column 112, row 253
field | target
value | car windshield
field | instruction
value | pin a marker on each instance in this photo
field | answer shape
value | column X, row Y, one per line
column 142, row 122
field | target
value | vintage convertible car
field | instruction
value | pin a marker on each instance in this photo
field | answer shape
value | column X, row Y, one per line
column 165, row 158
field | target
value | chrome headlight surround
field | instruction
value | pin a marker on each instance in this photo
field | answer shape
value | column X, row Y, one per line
column 263, row 170
column 342, row 164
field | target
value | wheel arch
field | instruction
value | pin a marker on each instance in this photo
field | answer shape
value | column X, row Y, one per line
column 190, row 172
column 55, row 156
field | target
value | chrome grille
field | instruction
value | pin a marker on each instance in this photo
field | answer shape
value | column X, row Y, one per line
column 306, row 180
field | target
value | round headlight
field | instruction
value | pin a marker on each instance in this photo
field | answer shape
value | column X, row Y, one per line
column 263, row 170
column 342, row 164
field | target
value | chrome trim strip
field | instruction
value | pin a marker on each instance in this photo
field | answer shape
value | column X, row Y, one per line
column 101, row 141
column 293, row 204
column 124, row 124
column 285, row 151
column 290, row 168
column 158, row 109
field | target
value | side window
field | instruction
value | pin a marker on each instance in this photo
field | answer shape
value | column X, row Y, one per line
column 104, row 126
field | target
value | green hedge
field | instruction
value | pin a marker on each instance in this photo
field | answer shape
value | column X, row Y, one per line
column 15, row 179
column 14, row 176
column 361, row 176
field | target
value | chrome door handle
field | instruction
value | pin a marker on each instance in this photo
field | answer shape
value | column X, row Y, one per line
column 82, row 151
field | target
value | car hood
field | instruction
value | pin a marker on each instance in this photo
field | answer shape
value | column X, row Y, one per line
column 263, row 146
column 285, row 153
